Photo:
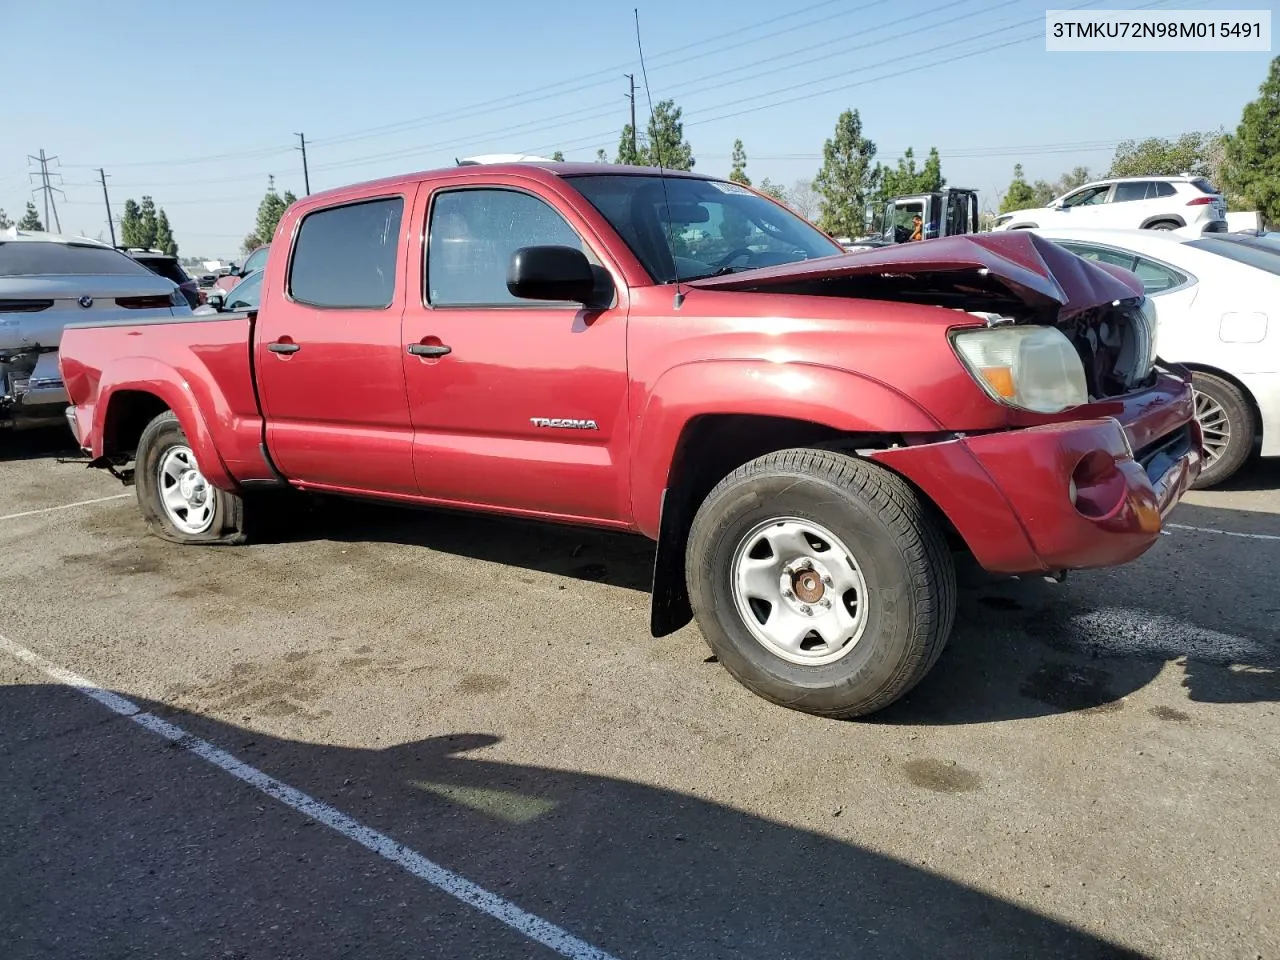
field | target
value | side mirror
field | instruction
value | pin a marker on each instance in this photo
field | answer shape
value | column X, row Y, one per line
column 551, row 273
column 214, row 299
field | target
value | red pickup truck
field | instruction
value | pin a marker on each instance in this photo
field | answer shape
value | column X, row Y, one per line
column 808, row 435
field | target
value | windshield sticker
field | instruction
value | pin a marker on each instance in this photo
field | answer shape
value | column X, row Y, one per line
column 730, row 187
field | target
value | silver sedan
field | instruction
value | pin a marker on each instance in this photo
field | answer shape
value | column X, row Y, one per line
column 48, row 281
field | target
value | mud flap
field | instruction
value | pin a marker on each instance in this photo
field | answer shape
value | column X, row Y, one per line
column 669, row 607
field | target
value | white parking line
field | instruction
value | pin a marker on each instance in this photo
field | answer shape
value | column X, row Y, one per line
column 64, row 506
column 1225, row 533
column 531, row 926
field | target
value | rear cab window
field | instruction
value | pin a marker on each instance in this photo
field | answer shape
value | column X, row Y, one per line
column 345, row 257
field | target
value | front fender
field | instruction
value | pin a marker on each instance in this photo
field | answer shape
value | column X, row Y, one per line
column 149, row 375
column 842, row 400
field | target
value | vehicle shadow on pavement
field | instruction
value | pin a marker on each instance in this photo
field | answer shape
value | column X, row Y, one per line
column 115, row 841
column 1257, row 474
column 1021, row 648
column 39, row 444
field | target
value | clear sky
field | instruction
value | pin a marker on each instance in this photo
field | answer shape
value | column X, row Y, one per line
column 197, row 103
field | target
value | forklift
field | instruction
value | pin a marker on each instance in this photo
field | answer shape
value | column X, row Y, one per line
column 919, row 216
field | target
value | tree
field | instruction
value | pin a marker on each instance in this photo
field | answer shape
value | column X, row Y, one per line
column 847, row 178
column 1020, row 194
column 130, row 225
column 665, row 145
column 739, row 172
column 627, row 155
column 164, row 235
column 1252, row 153
column 931, row 177
column 270, row 210
column 1159, row 157
column 147, row 224
column 601, row 156
column 1045, row 191
column 31, row 219
column 558, row 156
column 5, row 222
column 906, row 179
column 803, row 199
column 774, row 190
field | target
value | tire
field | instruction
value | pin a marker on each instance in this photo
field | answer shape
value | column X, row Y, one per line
column 1163, row 225
column 1227, row 447
column 163, row 452
column 902, row 579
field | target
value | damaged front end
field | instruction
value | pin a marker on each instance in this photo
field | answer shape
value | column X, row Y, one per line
column 1014, row 278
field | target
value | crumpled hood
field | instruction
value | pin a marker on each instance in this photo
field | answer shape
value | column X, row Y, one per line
column 1036, row 271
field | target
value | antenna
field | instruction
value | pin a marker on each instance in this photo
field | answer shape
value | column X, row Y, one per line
column 662, row 176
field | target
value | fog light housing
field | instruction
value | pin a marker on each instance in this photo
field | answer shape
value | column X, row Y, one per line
column 1097, row 486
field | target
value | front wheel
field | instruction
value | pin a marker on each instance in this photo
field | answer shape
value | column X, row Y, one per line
column 177, row 501
column 820, row 582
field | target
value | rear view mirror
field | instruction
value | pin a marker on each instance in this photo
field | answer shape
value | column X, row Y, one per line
column 687, row 213
column 551, row 273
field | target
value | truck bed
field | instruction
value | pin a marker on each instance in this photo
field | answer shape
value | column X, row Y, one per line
column 212, row 358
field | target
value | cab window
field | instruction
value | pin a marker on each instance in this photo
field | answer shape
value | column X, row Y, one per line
column 472, row 235
column 345, row 257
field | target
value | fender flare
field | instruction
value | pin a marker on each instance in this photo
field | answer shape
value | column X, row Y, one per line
column 843, row 400
column 840, row 399
column 148, row 375
column 1162, row 218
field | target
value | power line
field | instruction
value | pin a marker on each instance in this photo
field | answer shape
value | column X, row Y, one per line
column 607, row 109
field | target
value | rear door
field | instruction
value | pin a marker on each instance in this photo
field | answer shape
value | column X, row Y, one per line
column 527, row 410
column 328, row 350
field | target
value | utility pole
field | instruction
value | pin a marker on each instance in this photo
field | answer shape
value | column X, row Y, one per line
column 111, row 225
column 47, row 189
column 306, row 177
column 635, row 153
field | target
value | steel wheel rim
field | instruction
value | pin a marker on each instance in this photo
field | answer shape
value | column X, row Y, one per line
column 185, row 494
column 1215, row 426
column 799, row 590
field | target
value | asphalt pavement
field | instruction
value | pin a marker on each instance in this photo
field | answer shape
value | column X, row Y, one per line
column 391, row 733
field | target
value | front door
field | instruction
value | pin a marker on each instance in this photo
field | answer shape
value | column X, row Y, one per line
column 328, row 351
column 527, row 409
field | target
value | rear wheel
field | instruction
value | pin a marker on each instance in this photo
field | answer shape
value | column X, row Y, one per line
column 1228, row 424
column 820, row 582
column 177, row 501
column 1163, row 225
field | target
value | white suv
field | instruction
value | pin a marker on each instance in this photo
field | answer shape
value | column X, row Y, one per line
column 1156, row 203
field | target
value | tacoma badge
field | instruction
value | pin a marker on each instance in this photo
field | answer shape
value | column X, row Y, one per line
column 564, row 423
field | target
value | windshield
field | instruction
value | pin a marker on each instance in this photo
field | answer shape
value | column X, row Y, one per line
column 1262, row 255
column 700, row 228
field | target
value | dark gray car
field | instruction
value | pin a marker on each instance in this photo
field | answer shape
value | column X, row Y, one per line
column 47, row 281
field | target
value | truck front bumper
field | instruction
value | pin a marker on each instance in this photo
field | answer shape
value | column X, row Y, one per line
column 1069, row 495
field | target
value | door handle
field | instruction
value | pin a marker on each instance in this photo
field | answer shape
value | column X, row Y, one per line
column 429, row 349
column 284, row 347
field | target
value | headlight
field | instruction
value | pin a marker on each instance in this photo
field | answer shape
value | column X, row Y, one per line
column 1033, row 368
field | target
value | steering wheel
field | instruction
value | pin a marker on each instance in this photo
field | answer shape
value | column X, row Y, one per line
column 733, row 255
